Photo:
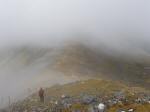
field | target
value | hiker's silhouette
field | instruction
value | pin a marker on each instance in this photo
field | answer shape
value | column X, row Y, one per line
column 41, row 94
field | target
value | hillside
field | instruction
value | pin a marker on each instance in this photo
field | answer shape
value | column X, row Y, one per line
column 75, row 59
column 86, row 94
column 45, row 66
column 78, row 59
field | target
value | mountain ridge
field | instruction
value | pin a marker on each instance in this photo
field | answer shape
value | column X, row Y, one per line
column 77, row 59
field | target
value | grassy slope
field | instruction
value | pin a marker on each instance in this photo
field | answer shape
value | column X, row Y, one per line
column 80, row 60
column 93, row 87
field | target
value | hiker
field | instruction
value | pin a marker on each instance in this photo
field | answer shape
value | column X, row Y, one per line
column 41, row 94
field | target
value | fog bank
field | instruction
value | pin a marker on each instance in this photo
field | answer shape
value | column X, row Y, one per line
column 120, row 26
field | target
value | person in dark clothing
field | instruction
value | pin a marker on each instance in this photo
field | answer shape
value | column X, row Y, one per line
column 41, row 94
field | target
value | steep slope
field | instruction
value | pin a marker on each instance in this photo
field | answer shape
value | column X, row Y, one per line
column 37, row 65
column 28, row 67
column 75, row 59
column 78, row 59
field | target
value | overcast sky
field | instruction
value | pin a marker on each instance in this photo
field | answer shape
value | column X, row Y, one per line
column 41, row 21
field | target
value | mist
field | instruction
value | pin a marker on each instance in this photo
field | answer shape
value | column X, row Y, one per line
column 118, row 25
column 48, row 22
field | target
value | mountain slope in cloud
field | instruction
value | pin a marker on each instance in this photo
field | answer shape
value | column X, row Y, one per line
column 37, row 65
column 78, row 59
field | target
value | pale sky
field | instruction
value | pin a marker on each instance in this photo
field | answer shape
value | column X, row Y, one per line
column 41, row 21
